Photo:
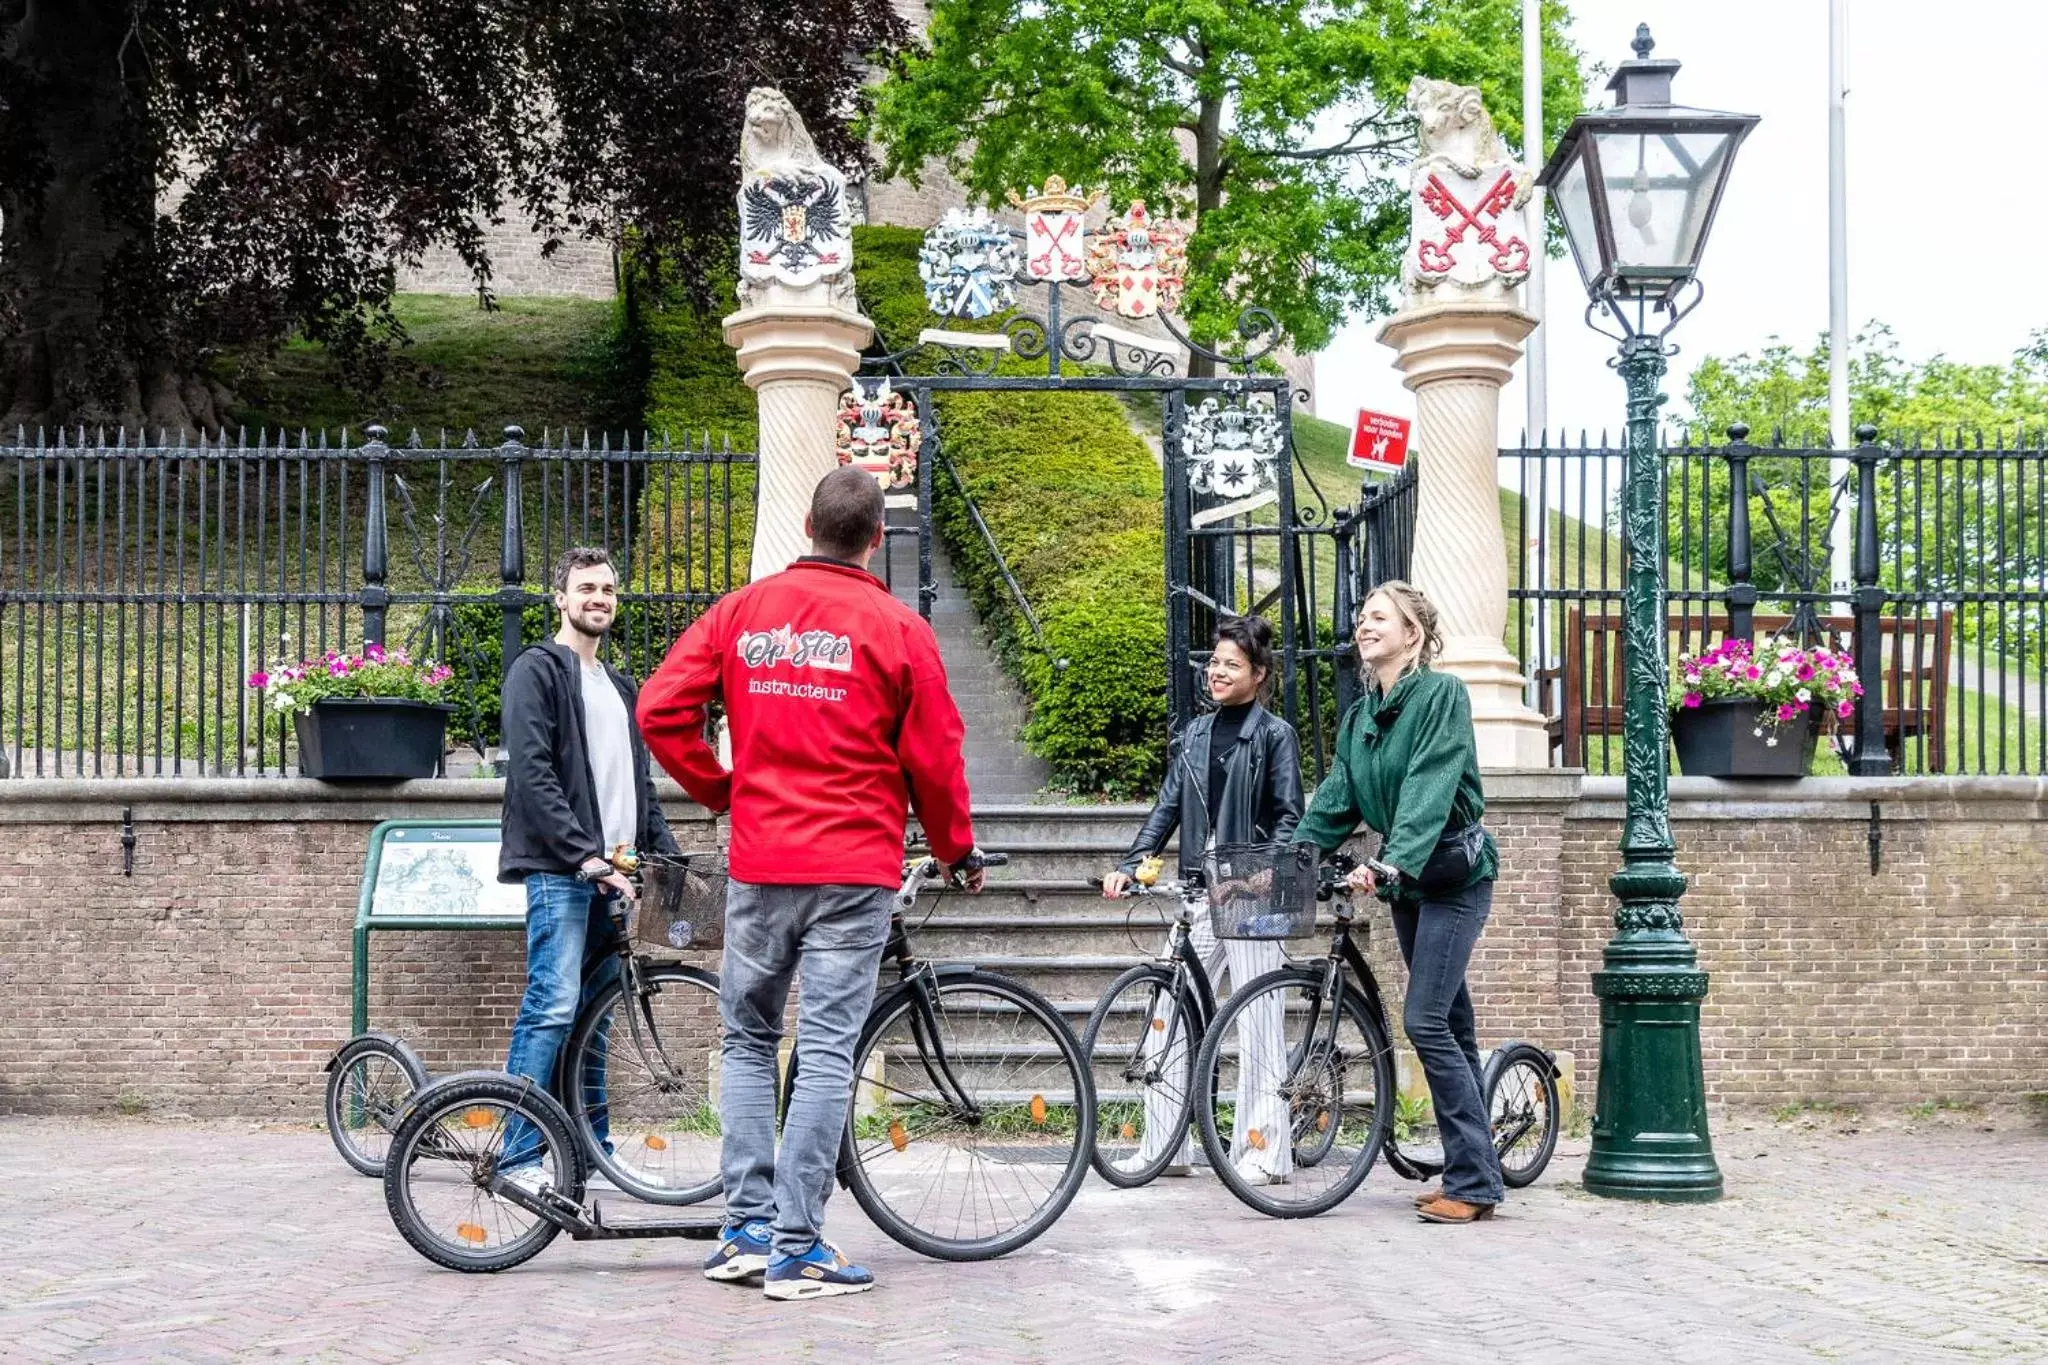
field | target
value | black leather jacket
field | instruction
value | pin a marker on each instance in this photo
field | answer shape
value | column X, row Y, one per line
column 1261, row 791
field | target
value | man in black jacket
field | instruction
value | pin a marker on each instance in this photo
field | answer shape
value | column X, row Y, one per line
column 577, row 788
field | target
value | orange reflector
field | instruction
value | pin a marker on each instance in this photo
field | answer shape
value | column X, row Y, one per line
column 470, row 1232
column 1038, row 1110
column 1256, row 1140
column 1323, row 1122
column 656, row 1142
column 478, row 1118
column 897, row 1137
column 1159, row 1026
column 1542, row 1093
column 1129, row 1131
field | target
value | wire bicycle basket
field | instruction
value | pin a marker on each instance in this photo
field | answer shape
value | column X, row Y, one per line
column 1262, row 891
column 682, row 901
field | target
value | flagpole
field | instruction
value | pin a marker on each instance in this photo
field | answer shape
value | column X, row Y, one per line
column 1841, row 562
column 1536, row 347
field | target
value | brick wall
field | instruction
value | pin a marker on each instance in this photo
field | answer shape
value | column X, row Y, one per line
column 216, row 980
column 580, row 267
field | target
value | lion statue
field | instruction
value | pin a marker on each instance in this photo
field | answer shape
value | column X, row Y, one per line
column 1452, row 124
column 784, row 180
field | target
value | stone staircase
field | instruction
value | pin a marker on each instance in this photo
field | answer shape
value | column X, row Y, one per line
column 999, row 767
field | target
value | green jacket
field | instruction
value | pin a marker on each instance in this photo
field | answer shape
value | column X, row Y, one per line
column 1407, row 766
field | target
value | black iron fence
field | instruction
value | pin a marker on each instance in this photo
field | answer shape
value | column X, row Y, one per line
column 1927, row 560
column 141, row 585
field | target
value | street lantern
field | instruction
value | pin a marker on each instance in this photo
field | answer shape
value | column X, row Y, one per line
column 1637, row 186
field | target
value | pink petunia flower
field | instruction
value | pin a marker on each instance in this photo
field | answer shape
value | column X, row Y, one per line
column 259, row 679
column 1693, row 699
column 1845, row 709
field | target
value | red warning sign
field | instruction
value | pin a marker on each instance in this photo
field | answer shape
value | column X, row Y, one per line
column 1380, row 441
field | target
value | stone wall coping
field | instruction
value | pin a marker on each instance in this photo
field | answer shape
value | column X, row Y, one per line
column 1831, row 798
column 1578, row 796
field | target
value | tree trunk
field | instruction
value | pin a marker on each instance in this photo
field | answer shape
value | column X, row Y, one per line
column 70, row 356
column 1208, row 192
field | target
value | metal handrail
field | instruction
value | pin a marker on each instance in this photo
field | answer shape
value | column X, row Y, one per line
column 988, row 539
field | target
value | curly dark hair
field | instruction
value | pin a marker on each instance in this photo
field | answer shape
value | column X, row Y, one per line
column 1253, row 636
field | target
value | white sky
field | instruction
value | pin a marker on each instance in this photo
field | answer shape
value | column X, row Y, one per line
column 1943, row 138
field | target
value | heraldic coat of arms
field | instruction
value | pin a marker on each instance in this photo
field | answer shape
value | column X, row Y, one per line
column 1231, row 448
column 878, row 432
column 1055, row 230
column 1139, row 264
column 969, row 265
column 796, row 227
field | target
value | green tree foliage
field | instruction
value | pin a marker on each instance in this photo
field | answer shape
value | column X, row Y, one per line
column 1270, row 123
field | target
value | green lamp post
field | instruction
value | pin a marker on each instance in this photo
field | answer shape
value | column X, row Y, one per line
column 1637, row 186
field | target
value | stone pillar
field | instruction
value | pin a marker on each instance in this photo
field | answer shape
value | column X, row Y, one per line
column 798, row 354
column 1456, row 339
column 799, row 331
column 1456, row 356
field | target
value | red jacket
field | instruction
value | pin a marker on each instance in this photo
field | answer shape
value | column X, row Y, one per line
column 836, row 702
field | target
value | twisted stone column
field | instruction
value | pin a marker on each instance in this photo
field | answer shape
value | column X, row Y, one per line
column 798, row 352
column 1456, row 357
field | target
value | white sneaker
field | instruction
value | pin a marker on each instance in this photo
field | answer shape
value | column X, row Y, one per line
column 532, row 1178
column 1254, row 1174
column 1135, row 1164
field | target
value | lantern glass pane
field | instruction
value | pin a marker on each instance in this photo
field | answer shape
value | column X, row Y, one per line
column 1575, row 206
column 1660, row 188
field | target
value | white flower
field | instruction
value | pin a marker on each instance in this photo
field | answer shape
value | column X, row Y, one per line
column 280, row 700
column 1759, row 733
column 1771, row 743
column 1804, row 694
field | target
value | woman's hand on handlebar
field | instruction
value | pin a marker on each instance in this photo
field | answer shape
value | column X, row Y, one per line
column 1361, row 880
column 1116, row 884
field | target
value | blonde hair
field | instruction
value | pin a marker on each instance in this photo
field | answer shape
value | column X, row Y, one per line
column 1415, row 609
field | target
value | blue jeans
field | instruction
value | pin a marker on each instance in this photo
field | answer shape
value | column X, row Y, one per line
column 570, row 957
column 1437, row 938
column 830, row 938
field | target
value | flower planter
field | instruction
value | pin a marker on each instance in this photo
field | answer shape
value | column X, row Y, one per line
column 371, row 738
column 1718, row 739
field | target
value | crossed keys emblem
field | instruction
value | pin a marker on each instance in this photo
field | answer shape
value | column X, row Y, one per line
column 1051, row 257
column 1510, row 257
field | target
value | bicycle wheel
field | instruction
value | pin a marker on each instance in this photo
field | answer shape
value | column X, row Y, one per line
column 1521, row 1100
column 1294, row 1083
column 368, row 1084
column 653, row 1106
column 446, row 1151
column 1140, row 1044
column 970, row 1126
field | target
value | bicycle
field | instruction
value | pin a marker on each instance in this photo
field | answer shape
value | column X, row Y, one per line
column 935, row 1075
column 1332, row 1099
column 1142, row 1035
column 655, row 1091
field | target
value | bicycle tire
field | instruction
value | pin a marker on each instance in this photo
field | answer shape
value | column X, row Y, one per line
column 903, row 1116
column 1375, row 1112
column 681, row 1134
column 434, row 1130
column 374, row 1076
column 1522, row 1078
column 1113, row 1052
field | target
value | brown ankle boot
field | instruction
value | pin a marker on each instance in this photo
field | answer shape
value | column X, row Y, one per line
column 1429, row 1196
column 1454, row 1211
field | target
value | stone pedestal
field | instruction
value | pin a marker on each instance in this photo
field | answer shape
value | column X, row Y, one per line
column 798, row 350
column 1456, row 356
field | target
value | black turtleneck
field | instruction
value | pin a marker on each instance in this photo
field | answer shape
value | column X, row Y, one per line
column 1222, row 739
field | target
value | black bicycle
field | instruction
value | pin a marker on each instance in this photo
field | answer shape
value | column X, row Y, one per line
column 967, row 1135
column 635, row 1075
column 1319, row 1100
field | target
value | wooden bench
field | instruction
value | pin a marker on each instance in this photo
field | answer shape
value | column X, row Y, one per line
column 1584, row 694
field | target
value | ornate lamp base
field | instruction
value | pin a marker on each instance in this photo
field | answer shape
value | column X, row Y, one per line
column 1650, row 1136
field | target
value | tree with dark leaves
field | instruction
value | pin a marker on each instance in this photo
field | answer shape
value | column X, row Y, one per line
column 180, row 176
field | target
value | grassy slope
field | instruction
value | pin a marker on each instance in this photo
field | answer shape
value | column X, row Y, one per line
column 544, row 363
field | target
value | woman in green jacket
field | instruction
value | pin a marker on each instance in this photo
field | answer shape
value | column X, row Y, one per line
column 1406, row 765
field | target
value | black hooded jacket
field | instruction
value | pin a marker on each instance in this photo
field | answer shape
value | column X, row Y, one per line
column 1261, row 791
column 550, row 821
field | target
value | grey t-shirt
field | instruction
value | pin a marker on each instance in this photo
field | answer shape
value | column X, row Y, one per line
column 611, row 756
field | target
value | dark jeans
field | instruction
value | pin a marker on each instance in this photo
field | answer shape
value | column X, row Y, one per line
column 571, row 955
column 1437, row 937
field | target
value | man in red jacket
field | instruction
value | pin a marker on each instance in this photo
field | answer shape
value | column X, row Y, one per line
column 836, row 703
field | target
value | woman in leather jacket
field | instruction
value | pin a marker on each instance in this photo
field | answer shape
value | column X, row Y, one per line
column 1233, row 777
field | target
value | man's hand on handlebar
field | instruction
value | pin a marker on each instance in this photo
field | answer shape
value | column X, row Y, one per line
column 1115, row 884
column 971, row 872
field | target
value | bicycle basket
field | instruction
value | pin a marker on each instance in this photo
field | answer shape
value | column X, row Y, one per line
column 682, row 901
column 1262, row 890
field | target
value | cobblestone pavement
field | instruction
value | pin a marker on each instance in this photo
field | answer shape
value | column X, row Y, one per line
column 132, row 1240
